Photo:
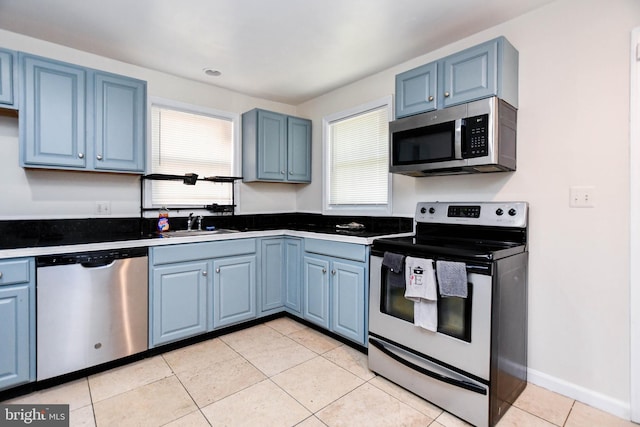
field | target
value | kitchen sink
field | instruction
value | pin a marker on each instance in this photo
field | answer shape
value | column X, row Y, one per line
column 184, row 233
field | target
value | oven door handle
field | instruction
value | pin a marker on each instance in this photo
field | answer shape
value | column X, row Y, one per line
column 453, row 381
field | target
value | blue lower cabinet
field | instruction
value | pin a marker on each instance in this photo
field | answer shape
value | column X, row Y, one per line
column 316, row 290
column 293, row 279
column 335, row 295
column 17, row 322
column 336, row 287
column 348, row 300
column 234, row 290
column 272, row 274
column 178, row 301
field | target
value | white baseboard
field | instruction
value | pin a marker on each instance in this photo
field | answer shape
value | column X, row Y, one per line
column 592, row 398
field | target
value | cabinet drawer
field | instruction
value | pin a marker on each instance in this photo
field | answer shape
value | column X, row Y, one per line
column 205, row 250
column 335, row 249
column 14, row 271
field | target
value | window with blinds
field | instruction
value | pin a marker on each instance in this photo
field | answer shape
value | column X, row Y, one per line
column 190, row 142
column 357, row 158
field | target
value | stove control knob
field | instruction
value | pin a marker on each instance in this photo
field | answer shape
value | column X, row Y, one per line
column 499, row 212
column 423, row 210
column 432, row 210
column 512, row 212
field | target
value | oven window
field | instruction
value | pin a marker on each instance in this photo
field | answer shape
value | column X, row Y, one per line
column 454, row 314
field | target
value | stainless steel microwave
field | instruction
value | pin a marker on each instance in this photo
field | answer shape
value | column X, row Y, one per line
column 476, row 137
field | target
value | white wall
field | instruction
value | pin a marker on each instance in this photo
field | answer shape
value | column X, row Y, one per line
column 573, row 129
column 58, row 194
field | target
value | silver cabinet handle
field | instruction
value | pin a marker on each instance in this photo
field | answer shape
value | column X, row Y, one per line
column 282, row 172
column 218, row 270
column 446, row 94
column 204, row 273
column 0, row 274
column 431, row 98
column 333, row 272
column 99, row 157
column 324, row 270
column 81, row 155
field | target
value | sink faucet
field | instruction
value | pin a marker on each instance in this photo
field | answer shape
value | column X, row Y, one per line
column 193, row 219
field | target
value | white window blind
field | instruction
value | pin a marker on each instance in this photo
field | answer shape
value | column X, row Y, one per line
column 359, row 159
column 187, row 142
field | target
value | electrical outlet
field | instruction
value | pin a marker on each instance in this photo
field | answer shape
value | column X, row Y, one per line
column 103, row 208
column 581, row 197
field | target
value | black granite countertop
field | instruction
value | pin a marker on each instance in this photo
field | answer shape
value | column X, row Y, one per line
column 58, row 232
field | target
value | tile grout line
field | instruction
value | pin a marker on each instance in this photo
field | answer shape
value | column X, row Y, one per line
column 93, row 406
column 175, row 374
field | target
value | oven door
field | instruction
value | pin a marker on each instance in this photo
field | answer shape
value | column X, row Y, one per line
column 463, row 340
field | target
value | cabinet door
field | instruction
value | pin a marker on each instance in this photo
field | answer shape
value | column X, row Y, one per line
column 7, row 59
column 272, row 273
column 348, row 300
column 416, row 90
column 470, row 74
column 293, row 265
column 298, row 150
column 234, row 287
column 316, row 291
column 14, row 335
column 178, row 301
column 119, row 123
column 52, row 116
column 272, row 146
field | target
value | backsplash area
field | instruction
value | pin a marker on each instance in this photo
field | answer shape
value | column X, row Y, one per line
column 33, row 233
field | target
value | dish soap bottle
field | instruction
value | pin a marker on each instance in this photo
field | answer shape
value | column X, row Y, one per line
column 163, row 219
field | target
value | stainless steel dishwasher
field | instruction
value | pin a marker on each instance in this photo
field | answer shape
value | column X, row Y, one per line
column 91, row 309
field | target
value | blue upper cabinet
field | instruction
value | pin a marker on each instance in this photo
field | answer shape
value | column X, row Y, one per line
column 7, row 78
column 272, row 146
column 81, row 119
column 488, row 69
column 53, row 124
column 416, row 90
column 298, row 150
column 275, row 147
column 119, row 122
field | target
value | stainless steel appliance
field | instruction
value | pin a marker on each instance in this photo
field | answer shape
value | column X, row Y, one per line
column 478, row 136
column 474, row 364
column 91, row 309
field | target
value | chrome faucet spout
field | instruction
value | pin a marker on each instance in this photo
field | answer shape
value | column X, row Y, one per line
column 190, row 221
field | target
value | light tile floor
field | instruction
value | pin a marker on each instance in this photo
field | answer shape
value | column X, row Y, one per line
column 280, row 373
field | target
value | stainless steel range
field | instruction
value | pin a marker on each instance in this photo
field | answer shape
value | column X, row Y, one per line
column 448, row 307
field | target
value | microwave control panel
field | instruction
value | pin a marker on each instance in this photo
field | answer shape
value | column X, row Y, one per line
column 476, row 136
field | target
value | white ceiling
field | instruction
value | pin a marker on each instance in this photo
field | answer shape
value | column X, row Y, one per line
column 284, row 50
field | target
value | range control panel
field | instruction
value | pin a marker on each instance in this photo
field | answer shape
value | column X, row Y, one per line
column 498, row 214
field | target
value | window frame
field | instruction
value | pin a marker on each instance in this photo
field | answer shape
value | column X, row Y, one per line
column 236, row 147
column 368, row 210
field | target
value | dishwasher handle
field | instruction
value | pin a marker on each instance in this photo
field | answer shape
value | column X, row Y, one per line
column 102, row 262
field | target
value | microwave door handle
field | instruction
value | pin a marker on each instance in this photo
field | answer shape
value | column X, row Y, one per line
column 457, row 142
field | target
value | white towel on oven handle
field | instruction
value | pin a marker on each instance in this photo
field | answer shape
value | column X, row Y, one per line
column 421, row 288
column 420, row 279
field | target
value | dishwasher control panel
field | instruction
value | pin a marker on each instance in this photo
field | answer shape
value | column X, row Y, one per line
column 93, row 258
